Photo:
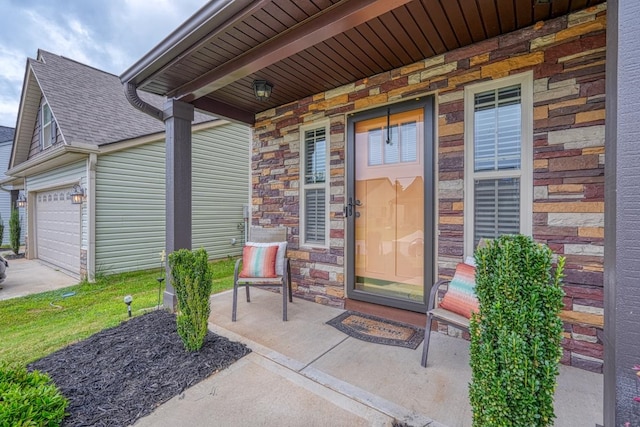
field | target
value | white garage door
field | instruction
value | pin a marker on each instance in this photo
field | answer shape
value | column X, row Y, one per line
column 58, row 229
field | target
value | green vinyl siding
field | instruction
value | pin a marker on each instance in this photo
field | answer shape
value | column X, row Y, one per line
column 220, row 188
column 77, row 172
column 130, row 203
column 130, row 209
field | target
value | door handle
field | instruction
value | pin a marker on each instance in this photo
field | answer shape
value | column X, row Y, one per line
column 349, row 208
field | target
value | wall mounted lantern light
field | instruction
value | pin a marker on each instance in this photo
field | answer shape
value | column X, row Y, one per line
column 21, row 201
column 262, row 89
column 77, row 194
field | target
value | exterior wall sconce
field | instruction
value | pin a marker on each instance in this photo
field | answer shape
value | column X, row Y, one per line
column 77, row 194
column 21, row 202
column 262, row 89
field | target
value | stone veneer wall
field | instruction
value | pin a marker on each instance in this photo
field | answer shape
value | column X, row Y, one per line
column 567, row 56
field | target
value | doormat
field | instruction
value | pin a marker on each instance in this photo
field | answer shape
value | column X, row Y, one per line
column 378, row 330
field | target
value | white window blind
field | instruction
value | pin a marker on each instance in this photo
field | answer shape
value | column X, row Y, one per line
column 315, row 221
column 497, row 126
column 496, row 208
column 315, row 156
column 497, row 174
column 314, row 188
column 497, row 147
column 396, row 144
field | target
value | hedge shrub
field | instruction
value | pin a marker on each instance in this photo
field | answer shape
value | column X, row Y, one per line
column 29, row 398
column 516, row 335
column 14, row 231
column 192, row 279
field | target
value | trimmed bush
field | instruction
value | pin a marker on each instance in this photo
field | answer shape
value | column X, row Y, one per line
column 516, row 335
column 14, row 231
column 192, row 279
column 29, row 398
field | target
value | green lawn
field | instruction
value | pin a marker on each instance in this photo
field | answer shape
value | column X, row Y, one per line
column 36, row 325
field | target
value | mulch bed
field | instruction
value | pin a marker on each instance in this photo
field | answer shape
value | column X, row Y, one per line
column 122, row 374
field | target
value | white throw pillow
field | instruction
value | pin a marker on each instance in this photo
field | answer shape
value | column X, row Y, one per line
column 282, row 251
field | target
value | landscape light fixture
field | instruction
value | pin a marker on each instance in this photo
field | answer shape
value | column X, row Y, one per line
column 128, row 299
column 21, row 202
column 77, row 194
column 262, row 89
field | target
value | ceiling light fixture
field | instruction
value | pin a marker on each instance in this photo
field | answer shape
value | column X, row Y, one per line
column 262, row 89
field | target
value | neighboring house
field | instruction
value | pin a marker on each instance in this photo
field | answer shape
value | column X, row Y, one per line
column 76, row 131
column 6, row 140
column 8, row 196
column 398, row 134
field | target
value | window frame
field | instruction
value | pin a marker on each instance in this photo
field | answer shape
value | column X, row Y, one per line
column 50, row 124
column 304, row 186
column 525, row 173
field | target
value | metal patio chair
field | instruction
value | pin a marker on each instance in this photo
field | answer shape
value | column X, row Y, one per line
column 261, row 235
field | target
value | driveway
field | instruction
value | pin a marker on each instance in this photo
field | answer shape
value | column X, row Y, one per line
column 26, row 276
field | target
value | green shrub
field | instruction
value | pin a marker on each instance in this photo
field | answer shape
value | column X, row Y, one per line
column 515, row 337
column 14, row 231
column 29, row 399
column 192, row 279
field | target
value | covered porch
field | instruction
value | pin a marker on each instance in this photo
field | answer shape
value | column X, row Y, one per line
column 329, row 60
column 305, row 372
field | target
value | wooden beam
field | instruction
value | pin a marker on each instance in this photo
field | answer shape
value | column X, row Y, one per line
column 221, row 109
column 328, row 23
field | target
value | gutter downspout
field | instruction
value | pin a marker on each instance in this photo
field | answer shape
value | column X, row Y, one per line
column 91, row 206
column 131, row 92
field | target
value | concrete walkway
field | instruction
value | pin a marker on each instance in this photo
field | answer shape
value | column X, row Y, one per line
column 304, row 372
column 25, row 277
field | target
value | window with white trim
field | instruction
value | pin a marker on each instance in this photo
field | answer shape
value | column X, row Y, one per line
column 47, row 127
column 498, row 159
column 314, row 224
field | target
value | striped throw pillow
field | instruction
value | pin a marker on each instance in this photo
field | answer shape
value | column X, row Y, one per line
column 461, row 296
column 259, row 261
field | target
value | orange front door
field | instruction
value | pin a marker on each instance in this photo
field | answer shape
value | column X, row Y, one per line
column 389, row 206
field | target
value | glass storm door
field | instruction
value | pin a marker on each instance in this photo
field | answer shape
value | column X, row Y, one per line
column 388, row 209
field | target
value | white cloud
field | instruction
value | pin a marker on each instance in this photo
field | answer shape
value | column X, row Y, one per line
column 12, row 63
column 107, row 34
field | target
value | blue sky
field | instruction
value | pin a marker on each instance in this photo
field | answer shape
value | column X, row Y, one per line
column 107, row 34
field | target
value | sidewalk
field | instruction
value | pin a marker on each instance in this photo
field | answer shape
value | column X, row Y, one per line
column 304, row 372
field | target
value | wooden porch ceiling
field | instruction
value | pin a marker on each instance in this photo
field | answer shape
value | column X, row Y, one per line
column 304, row 47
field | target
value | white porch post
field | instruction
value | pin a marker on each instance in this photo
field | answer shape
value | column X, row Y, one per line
column 177, row 118
column 622, row 222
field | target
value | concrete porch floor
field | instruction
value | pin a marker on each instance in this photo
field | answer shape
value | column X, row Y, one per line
column 304, row 372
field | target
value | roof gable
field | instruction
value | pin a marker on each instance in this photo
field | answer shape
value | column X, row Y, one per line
column 88, row 105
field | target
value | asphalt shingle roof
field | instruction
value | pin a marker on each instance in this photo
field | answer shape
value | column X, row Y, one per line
column 90, row 106
column 6, row 134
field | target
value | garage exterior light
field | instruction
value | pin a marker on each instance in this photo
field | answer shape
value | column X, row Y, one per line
column 77, row 194
column 21, row 202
